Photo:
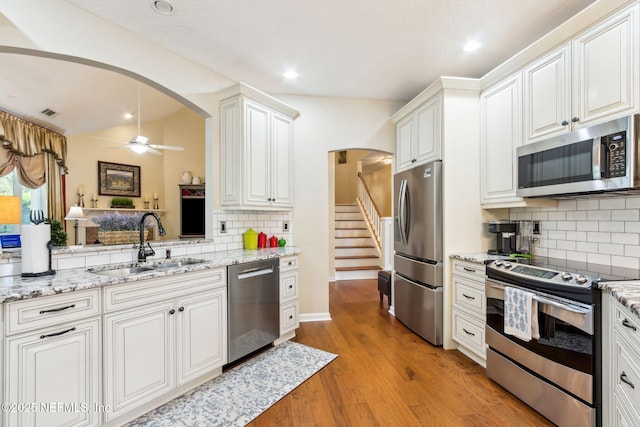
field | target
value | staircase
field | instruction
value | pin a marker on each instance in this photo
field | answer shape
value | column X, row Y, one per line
column 356, row 256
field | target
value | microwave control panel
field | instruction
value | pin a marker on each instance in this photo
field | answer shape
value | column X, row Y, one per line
column 617, row 154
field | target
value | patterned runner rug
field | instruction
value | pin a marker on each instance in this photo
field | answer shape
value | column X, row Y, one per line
column 241, row 394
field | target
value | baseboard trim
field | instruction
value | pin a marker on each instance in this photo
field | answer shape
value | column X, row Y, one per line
column 315, row 317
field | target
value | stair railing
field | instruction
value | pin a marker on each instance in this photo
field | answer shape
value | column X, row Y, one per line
column 371, row 211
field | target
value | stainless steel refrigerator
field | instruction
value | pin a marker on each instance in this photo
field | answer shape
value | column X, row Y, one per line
column 418, row 250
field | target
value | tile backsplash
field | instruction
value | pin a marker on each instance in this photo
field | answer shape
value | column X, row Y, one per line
column 237, row 222
column 602, row 230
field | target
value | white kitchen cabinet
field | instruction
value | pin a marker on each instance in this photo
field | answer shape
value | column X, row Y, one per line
column 161, row 334
column 590, row 79
column 621, row 376
column 500, row 135
column 52, row 360
column 469, row 309
column 289, row 301
column 256, row 138
column 418, row 136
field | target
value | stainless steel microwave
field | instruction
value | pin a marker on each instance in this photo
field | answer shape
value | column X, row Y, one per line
column 595, row 159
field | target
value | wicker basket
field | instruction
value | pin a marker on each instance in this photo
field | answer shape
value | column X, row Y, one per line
column 121, row 237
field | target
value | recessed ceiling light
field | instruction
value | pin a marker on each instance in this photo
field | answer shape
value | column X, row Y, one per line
column 162, row 6
column 290, row 75
column 128, row 116
column 472, row 45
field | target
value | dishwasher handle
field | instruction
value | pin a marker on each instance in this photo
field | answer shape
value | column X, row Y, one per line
column 254, row 272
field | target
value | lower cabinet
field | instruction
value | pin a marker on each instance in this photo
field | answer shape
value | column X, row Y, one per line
column 152, row 348
column 53, row 366
column 621, row 376
column 469, row 309
column 289, row 303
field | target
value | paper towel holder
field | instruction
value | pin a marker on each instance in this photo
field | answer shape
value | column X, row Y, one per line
column 43, row 273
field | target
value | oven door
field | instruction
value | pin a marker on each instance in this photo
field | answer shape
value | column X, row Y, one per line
column 564, row 353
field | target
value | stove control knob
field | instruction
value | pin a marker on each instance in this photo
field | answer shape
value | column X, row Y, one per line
column 581, row 279
column 566, row 276
column 507, row 264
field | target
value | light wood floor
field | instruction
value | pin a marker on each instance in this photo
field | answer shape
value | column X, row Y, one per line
column 387, row 376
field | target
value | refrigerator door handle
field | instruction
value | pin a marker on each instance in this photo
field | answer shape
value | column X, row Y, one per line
column 402, row 211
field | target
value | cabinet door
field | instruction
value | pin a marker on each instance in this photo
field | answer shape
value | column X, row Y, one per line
column 428, row 132
column 56, row 371
column 230, row 152
column 138, row 356
column 405, row 134
column 501, row 134
column 202, row 334
column 257, row 155
column 282, row 161
column 547, row 95
column 605, row 73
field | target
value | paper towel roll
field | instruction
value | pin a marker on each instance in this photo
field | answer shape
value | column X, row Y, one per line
column 35, row 254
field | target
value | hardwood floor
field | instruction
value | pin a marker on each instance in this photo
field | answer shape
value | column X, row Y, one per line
column 387, row 376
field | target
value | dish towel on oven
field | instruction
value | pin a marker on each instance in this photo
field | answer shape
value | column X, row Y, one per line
column 520, row 314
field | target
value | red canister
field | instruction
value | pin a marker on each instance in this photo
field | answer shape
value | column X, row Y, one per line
column 262, row 240
column 273, row 242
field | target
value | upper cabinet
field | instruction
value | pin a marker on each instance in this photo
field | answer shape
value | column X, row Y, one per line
column 500, row 135
column 256, row 140
column 590, row 79
column 418, row 135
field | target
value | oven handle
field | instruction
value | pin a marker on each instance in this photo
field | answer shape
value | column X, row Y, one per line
column 550, row 302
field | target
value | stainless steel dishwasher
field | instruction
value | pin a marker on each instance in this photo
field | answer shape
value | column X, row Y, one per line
column 254, row 306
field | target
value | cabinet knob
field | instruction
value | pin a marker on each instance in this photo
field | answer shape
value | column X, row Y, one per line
column 564, row 123
column 181, row 309
column 575, row 119
column 172, row 311
column 414, row 160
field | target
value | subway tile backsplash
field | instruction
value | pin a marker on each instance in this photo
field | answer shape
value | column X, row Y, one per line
column 602, row 230
column 237, row 222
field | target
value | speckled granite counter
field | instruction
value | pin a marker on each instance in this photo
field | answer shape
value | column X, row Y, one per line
column 481, row 258
column 627, row 292
column 16, row 287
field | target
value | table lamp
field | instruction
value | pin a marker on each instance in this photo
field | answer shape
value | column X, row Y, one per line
column 75, row 214
column 10, row 210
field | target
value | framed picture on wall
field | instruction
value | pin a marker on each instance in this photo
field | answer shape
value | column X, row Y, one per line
column 115, row 179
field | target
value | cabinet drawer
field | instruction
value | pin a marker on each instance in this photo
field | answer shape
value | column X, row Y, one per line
column 145, row 292
column 470, row 296
column 469, row 269
column 288, row 263
column 288, row 286
column 469, row 332
column 626, row 373
column 26, row 315
column 627, row 324
column 289, row 317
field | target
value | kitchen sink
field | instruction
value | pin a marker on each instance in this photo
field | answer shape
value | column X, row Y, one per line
column 161, row 265
column 142, row 268
column 120, row 271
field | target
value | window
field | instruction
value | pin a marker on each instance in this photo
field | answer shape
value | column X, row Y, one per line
column 31, row 199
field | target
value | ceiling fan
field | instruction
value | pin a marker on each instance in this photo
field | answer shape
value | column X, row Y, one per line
column 139, row 143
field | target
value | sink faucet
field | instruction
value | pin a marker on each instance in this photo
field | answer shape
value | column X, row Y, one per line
column 143, row 253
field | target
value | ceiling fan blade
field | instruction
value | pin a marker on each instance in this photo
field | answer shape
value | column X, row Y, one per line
column 115, row 147
column 166, row 147
column 104, row 139
column 152, row 151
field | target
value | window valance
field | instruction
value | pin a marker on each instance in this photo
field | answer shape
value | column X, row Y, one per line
column 28, row 139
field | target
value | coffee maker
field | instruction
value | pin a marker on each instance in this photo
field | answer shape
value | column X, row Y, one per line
column 506, row 236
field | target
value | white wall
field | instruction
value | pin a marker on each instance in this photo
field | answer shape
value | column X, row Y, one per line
column 324, row 125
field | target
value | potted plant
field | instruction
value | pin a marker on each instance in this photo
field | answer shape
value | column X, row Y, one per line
column 58, row 235
column 119, row 229
column 122, row 202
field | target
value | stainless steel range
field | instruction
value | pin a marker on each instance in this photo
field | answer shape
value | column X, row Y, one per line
column 559, row 373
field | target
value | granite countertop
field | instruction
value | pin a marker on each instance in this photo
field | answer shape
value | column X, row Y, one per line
column 14, row 288
column 627, row 292
column 480, row 258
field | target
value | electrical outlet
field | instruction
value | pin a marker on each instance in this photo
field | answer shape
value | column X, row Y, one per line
column 223, row 227
column 536, row 227
column 285, row 226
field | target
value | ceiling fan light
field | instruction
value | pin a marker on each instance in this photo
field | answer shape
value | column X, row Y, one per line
column 138, row 148
column 139, row 139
